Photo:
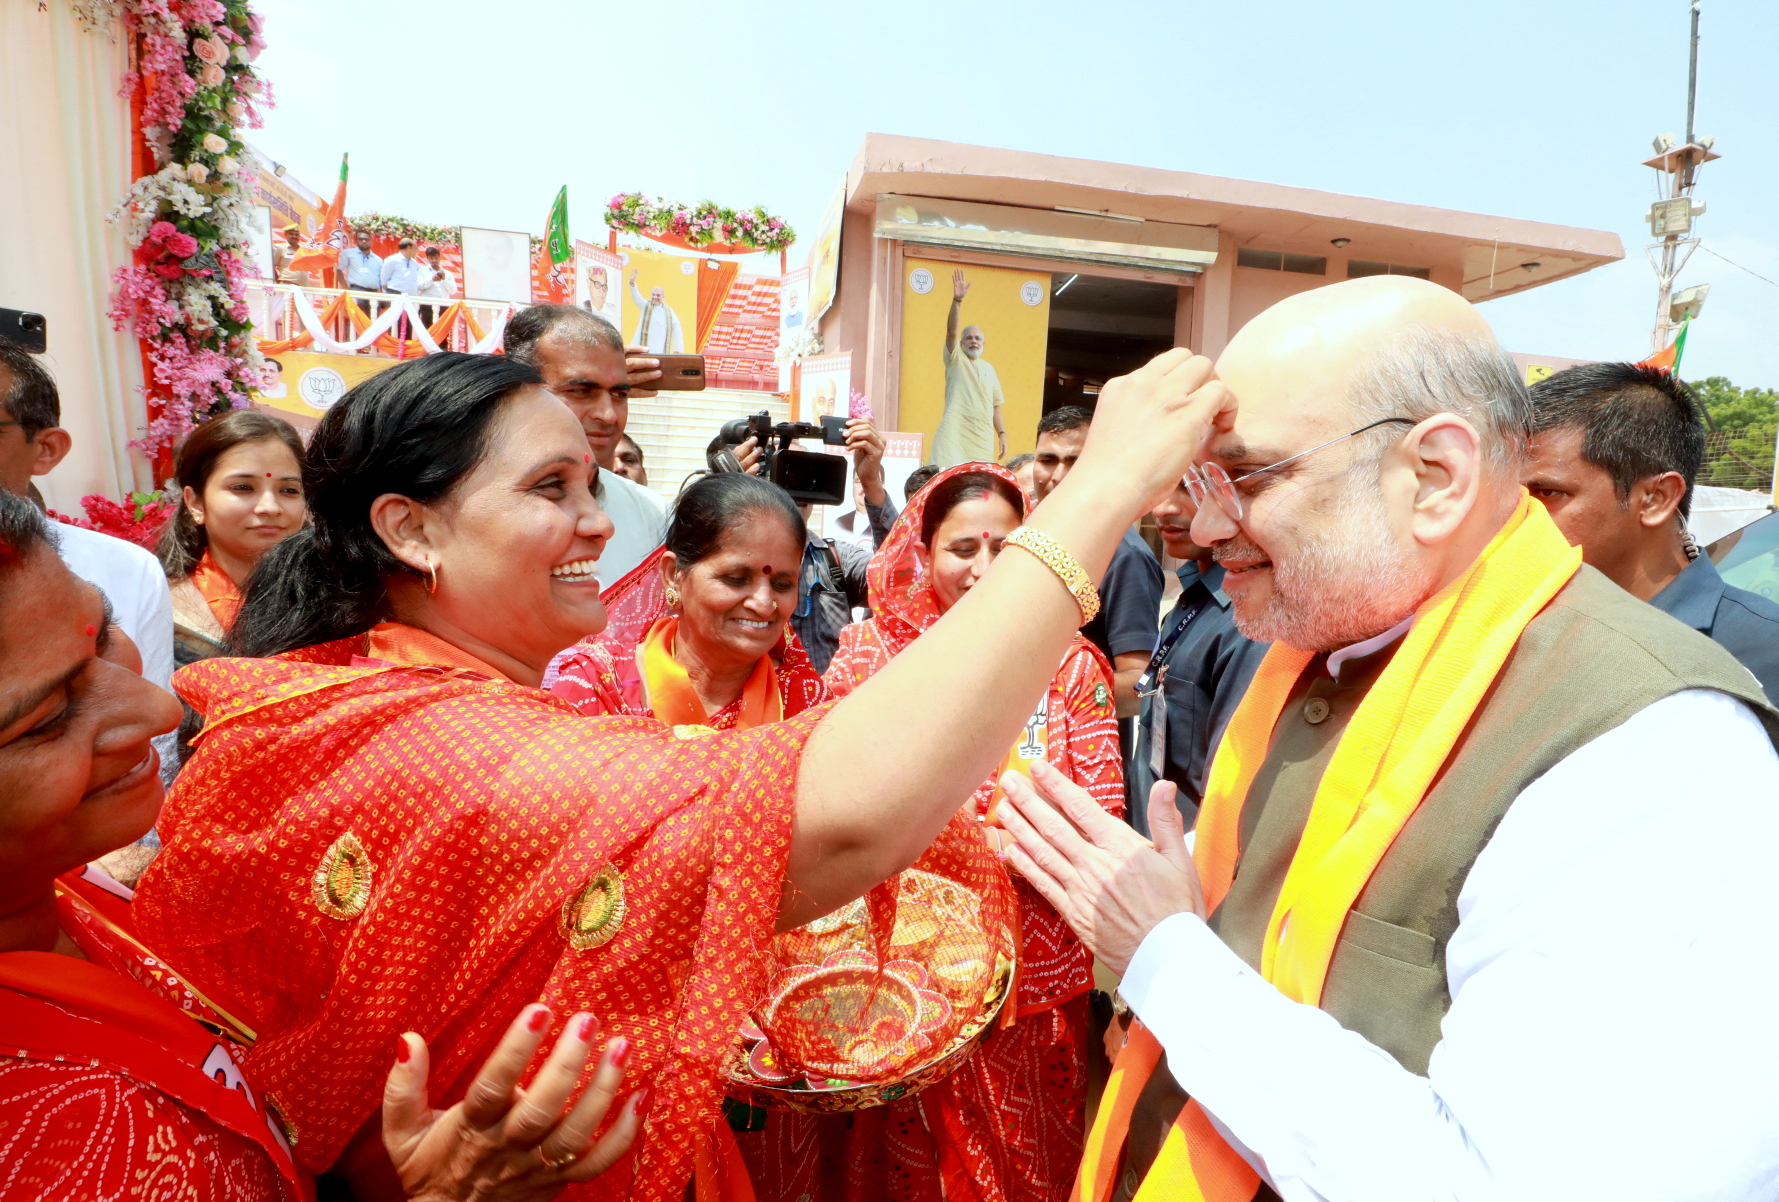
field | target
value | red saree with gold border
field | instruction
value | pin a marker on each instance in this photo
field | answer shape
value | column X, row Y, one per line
column 376, row 835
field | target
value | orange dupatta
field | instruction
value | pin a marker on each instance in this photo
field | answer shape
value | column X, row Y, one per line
column 1402, row 733
column 674, row 701
column 219, row 592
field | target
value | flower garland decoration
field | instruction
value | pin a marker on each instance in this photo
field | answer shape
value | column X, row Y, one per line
column 383, row 225
column 703, row 224
column 140, row 520
column 188, row 222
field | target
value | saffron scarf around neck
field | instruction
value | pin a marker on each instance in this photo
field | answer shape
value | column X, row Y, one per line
column 219, row 592
column 1388, row 756
column 673, row 699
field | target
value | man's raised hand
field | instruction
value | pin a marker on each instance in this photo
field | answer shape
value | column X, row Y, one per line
column 1108, row 883
column 960, row 287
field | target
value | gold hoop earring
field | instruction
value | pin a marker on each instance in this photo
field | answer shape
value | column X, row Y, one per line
column 432, row 574
column 672, row 597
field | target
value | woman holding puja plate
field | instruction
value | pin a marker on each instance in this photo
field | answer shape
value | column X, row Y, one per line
column 1007, row 1122
column 387, row 825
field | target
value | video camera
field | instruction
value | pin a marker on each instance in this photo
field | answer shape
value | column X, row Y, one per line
column 810, row 477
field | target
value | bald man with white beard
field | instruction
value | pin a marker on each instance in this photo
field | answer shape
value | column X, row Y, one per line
column 1479, row 902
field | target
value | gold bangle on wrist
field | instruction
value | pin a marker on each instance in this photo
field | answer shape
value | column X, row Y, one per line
column 1053, row 556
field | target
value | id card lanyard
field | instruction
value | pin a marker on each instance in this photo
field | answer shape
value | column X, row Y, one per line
column 1151, row 684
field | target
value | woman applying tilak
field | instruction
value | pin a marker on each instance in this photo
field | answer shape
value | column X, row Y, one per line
column 389, row 826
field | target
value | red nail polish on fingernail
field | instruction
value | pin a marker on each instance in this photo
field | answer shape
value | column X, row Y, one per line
column 618, row 1051
column 402, row 1051
column 586, row 1029
column 642, row 1098
column 540, row 1018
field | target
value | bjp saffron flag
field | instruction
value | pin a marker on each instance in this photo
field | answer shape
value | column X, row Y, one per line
column 551, row 282
column 1668, row 358
column 556, row 237
column 324, row 246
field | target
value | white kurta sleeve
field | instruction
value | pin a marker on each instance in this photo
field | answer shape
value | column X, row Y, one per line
column 1611, row 1031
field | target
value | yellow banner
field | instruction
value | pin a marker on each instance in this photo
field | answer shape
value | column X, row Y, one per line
column 947, row 386
column 306, row 384
column 660, row 301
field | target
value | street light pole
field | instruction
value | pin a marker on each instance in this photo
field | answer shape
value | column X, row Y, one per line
column 1671, row 217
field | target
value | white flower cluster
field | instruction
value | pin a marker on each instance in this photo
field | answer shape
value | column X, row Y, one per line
column 800, row 345
column 141, row 205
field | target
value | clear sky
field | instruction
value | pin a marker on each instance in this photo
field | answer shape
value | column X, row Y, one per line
column 460, row 113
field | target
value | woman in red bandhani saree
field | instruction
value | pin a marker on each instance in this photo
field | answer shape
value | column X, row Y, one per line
column 387, row 824
column 1008, row 1123
column 123, row 1077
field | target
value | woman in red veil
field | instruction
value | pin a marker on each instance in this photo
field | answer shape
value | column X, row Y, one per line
column 1008, row 1123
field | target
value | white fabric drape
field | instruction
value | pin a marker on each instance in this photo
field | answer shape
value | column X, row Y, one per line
column 327, row 344
column 64, row 141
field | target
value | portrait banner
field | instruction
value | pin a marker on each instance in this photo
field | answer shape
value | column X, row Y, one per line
column 597, row 273
column 660, row 300
column 824, row 387
column 497, row 265
column 824, row 257
column 301, row 386
column 973, row 341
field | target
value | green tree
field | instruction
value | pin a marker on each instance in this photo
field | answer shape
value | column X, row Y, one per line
column 1744, row 426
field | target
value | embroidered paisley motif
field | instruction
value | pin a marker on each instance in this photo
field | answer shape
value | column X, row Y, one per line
column 592, row 914
column 342, row 885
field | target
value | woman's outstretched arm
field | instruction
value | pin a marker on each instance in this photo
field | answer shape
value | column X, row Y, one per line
column 896, row 758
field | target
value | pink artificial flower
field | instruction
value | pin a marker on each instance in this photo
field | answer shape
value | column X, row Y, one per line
column 168, row 271
column 160, row 231
column 182, row 246
column 215, row 143
column 211, row 50
column 211, row 75
column 197, row 173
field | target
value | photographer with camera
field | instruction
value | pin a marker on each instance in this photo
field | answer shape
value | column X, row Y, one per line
column 831, row 582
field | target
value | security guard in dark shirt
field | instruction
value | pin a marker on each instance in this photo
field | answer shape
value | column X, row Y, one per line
column 1615, row 451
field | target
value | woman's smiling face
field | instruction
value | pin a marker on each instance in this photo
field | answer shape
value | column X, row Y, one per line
column 734, row 602
column 516, row 544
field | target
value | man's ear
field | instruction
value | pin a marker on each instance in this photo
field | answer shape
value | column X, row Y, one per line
column 1445, row 453
column 1657, row 499
column 51, row 445
column 401, row 523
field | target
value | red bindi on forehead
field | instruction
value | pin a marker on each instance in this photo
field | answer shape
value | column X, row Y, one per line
column 586, row 456
column 91, row 630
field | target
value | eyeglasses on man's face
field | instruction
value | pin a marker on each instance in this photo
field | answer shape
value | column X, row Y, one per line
column 1211, row 482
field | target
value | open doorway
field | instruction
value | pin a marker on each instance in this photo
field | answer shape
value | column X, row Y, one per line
column 1100, row 328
